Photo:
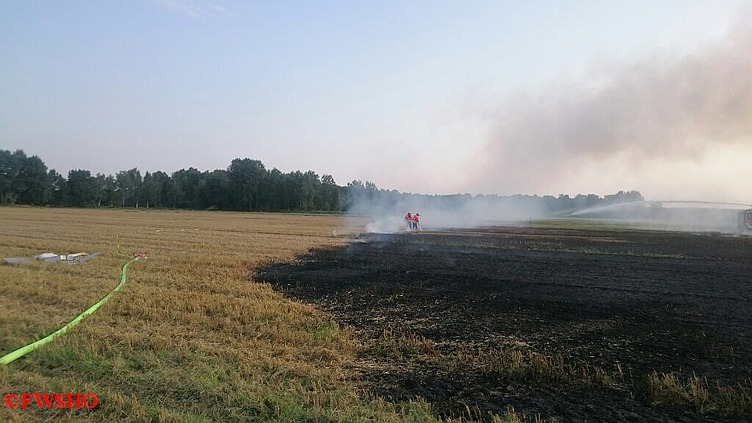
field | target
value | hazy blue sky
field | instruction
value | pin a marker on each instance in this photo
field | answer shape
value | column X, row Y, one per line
column 536, row 97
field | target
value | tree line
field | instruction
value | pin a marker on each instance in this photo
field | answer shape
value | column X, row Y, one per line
column 246, row 185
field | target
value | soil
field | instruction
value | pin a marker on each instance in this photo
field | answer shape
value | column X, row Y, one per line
column 436, row 312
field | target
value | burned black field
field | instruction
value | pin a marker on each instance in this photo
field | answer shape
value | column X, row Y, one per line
column 565, row 324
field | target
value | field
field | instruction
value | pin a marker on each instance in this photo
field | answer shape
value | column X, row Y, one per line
column 191, row 336
column 273, row 317
column 562, row 324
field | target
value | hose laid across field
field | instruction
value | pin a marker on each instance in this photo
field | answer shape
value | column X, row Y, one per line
column 9, row 358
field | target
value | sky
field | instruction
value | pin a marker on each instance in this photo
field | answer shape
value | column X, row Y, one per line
column 436, row 97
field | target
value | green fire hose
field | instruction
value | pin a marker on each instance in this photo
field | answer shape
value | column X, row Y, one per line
column 9, row 358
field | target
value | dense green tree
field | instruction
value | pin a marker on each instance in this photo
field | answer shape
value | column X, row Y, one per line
column 33, row 184
column 109, row 195
column 163, row 184
column 128, row 185
column 10, row 167
column 186, row 183
column 274, row 188
column 58, row 188
column 214, row 190
column 293, row 182
column 156, row 190
column 329, row 194
column 309, row 188
column 246, row 177
column 149, row 191
column 82, row 189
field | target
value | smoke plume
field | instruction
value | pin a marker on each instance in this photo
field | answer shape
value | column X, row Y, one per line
column 661, row 108
column 384, row 213
column 636, row 122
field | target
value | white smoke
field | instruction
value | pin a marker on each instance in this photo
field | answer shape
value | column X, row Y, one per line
column 385, row 213
column 671, row 215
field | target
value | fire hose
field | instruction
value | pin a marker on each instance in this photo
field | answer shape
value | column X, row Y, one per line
column 9, row 358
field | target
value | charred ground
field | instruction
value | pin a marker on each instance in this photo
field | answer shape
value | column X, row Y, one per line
column 562, row 323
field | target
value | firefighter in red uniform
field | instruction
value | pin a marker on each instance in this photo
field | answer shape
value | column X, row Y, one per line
column 408, row 220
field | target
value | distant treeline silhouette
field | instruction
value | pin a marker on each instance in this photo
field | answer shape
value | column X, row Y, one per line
column 246, row 185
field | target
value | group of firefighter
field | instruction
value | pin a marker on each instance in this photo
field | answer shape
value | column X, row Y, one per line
column 412, row 221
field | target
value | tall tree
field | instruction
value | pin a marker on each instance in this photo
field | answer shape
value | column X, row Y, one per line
column 82, row 188
column 58, row 188
column 214, row 190
column 109, row 195
column 292, row 185
column 329, row 193
column 246, row 177
column 10, row 167
column 275, row 190
column 309, row 188
column 163, row 184
column 186, row 184
column 33, row 179
column 129, row 185
column 150, row 191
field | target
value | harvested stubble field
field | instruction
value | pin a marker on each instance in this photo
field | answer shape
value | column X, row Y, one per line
column 191, row 336
column 562, row 325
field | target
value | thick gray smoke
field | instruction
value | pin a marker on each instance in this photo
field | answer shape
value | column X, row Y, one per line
column 662, row 107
